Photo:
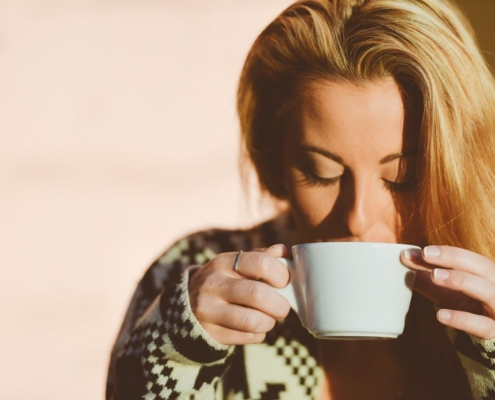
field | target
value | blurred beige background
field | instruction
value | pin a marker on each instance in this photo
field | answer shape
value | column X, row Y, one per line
column 118, row 134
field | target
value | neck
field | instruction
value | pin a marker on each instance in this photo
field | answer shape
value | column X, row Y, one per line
column 356, row 368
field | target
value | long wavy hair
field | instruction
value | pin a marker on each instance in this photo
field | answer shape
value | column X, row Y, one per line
column 429, row 48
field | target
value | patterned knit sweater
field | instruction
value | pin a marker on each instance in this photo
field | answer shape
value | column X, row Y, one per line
column 162, row 351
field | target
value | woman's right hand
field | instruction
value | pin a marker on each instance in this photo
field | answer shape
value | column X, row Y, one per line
column 240, row 307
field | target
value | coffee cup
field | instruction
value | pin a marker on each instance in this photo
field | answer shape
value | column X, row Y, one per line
column 350, row 290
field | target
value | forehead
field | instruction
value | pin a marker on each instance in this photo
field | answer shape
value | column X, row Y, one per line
column 352, row 116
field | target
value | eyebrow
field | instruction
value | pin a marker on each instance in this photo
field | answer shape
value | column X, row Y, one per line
column 335, row 157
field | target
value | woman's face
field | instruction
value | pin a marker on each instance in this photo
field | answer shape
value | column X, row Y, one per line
column 350, row 164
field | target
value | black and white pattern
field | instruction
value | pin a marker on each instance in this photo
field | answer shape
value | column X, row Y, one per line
column 302, row 364
column 162, row 352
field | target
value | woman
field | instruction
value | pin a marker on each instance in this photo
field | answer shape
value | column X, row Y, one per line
column 372, row 120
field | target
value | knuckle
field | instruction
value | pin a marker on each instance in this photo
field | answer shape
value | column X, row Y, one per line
column 249, row 337
column 458, row 279
column 452, row 253
column 281, row 309
column 221, row 259
column 271, row 324
column 261, row 265
column 256, row 293
column 284, row 309
column 250, row 322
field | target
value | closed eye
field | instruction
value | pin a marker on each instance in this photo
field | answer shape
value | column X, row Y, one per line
column 316, row 180
column 400, row 187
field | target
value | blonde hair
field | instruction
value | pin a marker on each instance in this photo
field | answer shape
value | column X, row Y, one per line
column 428, row 47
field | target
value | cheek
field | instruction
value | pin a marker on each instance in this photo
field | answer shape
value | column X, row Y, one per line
column 408, row 217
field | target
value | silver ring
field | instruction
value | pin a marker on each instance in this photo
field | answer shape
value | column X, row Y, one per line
column 236, row 262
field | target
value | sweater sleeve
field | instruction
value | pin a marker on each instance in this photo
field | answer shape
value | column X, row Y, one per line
column 477, row 357
column 162, row 351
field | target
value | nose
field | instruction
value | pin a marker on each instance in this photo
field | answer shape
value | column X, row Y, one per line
column 361, row 207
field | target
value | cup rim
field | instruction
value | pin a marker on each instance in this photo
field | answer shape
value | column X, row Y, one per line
column 361, row 244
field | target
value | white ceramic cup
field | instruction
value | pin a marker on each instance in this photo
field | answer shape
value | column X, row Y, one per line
column 350, row 290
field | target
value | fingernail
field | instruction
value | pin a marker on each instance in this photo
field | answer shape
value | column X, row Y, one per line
column 444, row 315
column 432, row 252
column 441, row 274
column 412, row 255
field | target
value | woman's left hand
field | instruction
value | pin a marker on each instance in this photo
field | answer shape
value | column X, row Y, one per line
column 461, row 283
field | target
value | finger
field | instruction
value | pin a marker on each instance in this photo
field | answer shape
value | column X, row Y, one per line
column 477, row 325
column 259, row 296
column 242, row 319
column 214, row 311
column 441, row 296
column 471, row 285
column 413, row 258
column 259, row 249
column 277, row 250
column 230, row 337
column 459, row 259
column 261, row 266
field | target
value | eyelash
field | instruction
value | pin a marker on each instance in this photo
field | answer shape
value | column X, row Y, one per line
column 400, row 187
column 315, row 180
